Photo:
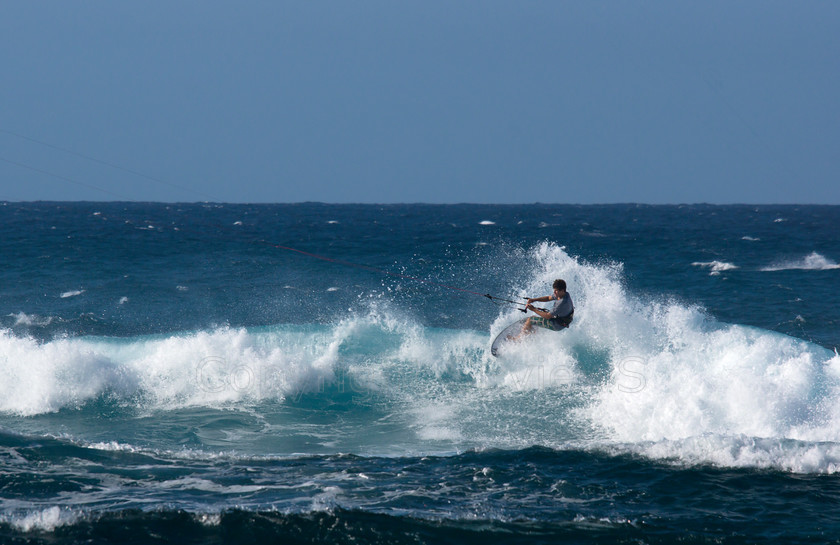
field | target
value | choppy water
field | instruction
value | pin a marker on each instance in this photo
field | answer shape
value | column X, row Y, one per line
column 188, row 372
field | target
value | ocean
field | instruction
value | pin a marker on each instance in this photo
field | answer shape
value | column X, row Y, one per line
column 316, row 373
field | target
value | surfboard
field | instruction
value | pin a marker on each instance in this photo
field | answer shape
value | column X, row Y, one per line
column 510, row 331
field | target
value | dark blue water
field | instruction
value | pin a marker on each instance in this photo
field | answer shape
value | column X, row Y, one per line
column 321, row 373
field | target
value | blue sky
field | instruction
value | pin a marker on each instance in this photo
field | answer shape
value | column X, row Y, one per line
column 438, row 102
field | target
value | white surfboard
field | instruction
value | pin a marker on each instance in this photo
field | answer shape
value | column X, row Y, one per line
column 510, row 331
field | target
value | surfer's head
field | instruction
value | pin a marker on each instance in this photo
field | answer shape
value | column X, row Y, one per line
column 559, row 285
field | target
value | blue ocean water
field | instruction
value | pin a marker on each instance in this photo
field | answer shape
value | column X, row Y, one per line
column 315, row 373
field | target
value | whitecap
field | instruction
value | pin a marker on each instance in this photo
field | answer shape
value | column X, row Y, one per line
column 72, row 293
column 716, row 267
column 487, row 222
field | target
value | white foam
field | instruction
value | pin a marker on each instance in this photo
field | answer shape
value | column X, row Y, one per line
column 208, row 368
column 196, row 483
column 37, row 378
column 487, row 222
column 45, row 520
column 729, row 381
column 435, row 422
column 742, row 451
column 811, row 262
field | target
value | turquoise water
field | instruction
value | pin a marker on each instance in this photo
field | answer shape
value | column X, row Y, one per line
column 321, row 373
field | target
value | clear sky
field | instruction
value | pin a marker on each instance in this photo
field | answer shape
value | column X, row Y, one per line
column 486, row 101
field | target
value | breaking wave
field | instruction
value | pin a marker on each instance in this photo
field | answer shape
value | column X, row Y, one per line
column 653, row 377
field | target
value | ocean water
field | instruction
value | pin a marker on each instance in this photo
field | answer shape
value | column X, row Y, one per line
column 312, row 373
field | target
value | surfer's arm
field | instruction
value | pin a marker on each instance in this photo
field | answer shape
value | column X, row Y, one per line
column 543, row 299
column 539, row 312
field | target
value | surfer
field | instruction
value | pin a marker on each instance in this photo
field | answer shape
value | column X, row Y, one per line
column 558, row 317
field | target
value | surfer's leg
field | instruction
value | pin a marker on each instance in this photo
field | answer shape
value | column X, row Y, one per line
column 526, row 330
column 527, row 326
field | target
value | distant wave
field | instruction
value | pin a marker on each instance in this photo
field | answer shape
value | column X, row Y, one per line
column 716, row 267
column 811, row 262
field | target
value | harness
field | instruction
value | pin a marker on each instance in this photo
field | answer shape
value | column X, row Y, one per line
column 565, row 320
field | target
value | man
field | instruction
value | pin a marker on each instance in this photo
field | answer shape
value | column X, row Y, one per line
column 558, row 318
